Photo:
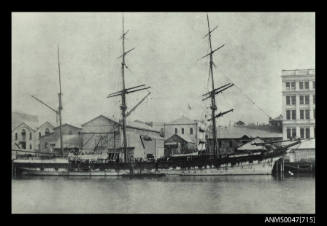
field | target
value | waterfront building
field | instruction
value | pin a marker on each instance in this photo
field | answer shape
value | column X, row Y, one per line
column 277, row 123
column 193, row 130
column 179, row 144
column 43, row 130
column 23, row 137
column 298, row 103
column 102, row 134
column 71, row 139
column 298, row 89
column 229, row 138
column 22, row 131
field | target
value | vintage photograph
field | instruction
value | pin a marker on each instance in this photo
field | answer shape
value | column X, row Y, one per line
column 163, row 113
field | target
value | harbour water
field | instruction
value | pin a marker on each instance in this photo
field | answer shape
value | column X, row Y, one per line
column 173, row 194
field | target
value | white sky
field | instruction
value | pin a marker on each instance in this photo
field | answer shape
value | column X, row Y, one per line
column 168, row 45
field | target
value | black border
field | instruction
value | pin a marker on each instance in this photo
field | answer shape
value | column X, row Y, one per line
column 163, row 218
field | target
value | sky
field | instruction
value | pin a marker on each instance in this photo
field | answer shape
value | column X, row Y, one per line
column 258, row 46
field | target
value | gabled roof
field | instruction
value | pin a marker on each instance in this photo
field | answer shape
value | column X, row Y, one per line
column 182, row 120
column 183, row 137
column 66, row 124
column 23, row 123
column 18, row 118
column 100, row 116
column 46, row 123
column 130, row 124
column 236, row 132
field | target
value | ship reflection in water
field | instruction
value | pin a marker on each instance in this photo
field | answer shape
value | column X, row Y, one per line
column 173, row 194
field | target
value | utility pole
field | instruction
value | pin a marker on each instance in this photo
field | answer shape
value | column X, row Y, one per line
column 214, row 91
column 60, row 107
column 125, row 90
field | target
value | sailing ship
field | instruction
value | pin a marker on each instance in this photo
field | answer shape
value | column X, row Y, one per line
column 254, row 161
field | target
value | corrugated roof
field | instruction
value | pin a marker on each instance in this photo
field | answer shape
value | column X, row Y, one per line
column 238, row 132
column 69, row 141
column 184, row 137
column 251, row 147
column 182, row 120
column 131, row 124
column 140, row 125
column 305, row 144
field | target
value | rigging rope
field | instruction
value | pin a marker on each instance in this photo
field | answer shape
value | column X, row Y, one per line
column 249, row 98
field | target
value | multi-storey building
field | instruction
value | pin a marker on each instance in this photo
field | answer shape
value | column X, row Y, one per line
column 192, row 130
column 298, row 103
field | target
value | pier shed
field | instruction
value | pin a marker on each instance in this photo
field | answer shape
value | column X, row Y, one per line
column 179, row 144
column 103, row 134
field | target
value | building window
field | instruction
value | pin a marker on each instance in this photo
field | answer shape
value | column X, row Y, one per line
column 302, row 132
column 230, row 144
column 288, row 114
column 301, row 99
column 182, row 130
column 288, row 133
column 191, row 131
column 301, row 114
column 219, row 143
column 47, row 131
column 16, row 136
column 287, row 85
column 306, row 84
column 293, row 85
column 70, row 132
column 288, row 100
column 313, row 84
column 301, row 85
column 307, row 114
column 307, row 133
column 175, row 130
column 307, row 99
column 293, row 100
column 30, row 146
column 293, row 132
column 30, row 136
column 39, row 134
column 294, row 114
column 314, row 99
column 23, row 135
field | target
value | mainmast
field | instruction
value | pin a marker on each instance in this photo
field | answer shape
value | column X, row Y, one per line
column 60, row 107
column 125, row 91
column 213, row 92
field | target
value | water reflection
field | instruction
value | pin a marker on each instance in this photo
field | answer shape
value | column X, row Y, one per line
column 173, row 194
